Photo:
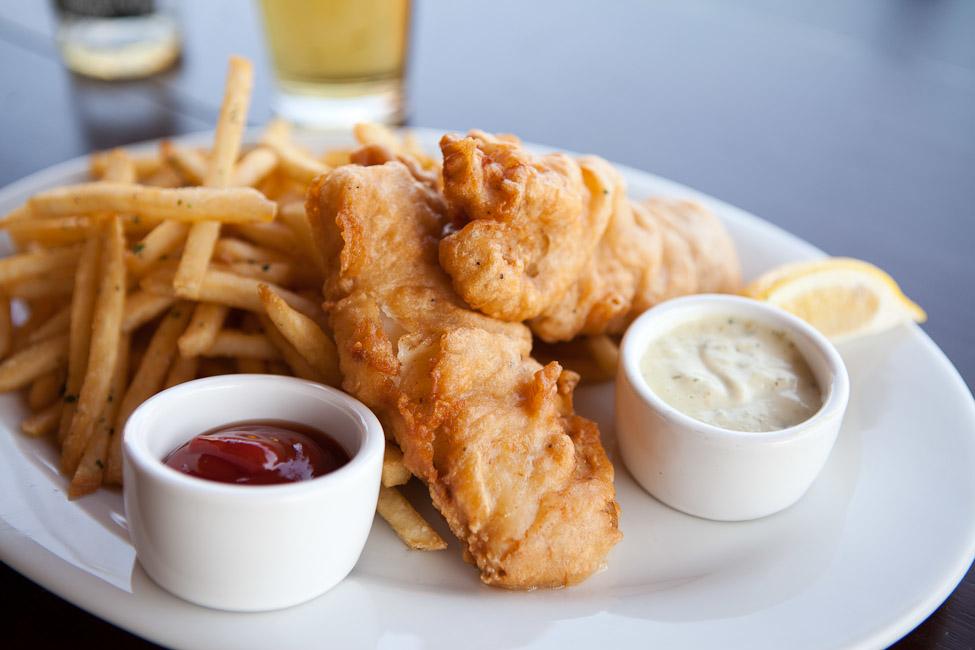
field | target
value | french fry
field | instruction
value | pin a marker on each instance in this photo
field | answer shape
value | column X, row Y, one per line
column 237, row 253
column 165, row 176
column 144, row 165
column 232, row 290
column 273, row 235
column 304, row 334
column 254, row 167
column 103, row 353
column 6, row 327
column 55, row 284
column 407, row 145
column 270, row 185
column 188, row 204
column 30, row 363
column 188, row 162
column 226, row 147
column 79, row 332
column 291, row 191
column 155, row 362
column 141, row 307
column 202, row 331
column 297, row 363
column 182, row 370
column 43, row 422
column 604, row 352
column 275, row 272
column 230, row 123
column 147, row 380
column 371, row 133
column 282, row 188
column 196, row 258
column 337, row 157
column 18, row 215
column 277, row 130
column 135, row 226
column 380, row 143
column 292, row 161
column 16, row 268
column 293, row 214
column 237, row 344
column 161, row 240
column 394, row 471
column 406, row 522
column 59, row 231
column 46, row 389
column 119, row 167
column 296, row 163
column 94, row 462
column 229, row 249
column 56, row 325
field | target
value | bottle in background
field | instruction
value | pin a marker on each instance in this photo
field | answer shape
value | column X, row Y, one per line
column 116, row 39
column 338, row 61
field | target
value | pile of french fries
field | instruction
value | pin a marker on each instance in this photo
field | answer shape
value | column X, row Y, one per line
column 186, row 264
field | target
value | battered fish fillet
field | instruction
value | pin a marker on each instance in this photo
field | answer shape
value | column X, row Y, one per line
column 556, row 242
column 650, row 252
column 522, row 481
column 713, row 259
column 526, row 224
column 627, row 259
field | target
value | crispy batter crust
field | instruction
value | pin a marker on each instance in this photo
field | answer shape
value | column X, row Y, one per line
column 650, row 252
column 522, row 481
column 556, row 242
column 525, row 225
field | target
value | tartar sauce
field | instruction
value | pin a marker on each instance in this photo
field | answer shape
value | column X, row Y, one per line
column 734, row 373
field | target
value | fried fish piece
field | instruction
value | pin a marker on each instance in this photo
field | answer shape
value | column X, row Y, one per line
column 526, row 225
column 650, row 252
column 623, row 266
column 713, row 259
column 556, row 242
column 521, row 480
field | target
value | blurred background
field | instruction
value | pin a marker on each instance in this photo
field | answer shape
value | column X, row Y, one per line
column 850, row 124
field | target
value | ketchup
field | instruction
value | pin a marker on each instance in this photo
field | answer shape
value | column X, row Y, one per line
column 259, row 453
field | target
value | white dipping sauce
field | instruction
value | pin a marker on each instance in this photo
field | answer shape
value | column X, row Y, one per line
column 734, row 373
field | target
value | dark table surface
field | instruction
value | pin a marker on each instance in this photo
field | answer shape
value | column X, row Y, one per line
column 850, row 124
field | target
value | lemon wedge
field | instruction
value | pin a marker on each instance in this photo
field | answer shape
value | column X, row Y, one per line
column 841, row 297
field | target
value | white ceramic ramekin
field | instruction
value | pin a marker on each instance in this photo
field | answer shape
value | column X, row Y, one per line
column 247, row 547
column 709, row 471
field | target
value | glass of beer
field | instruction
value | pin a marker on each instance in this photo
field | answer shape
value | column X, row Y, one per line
column 338, row 62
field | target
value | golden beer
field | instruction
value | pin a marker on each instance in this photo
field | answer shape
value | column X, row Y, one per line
column 338, row 61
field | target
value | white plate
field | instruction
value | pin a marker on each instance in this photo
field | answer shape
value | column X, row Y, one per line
column 881, row 539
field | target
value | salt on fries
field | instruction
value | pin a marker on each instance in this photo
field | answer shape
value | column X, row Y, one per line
column 163, row 269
